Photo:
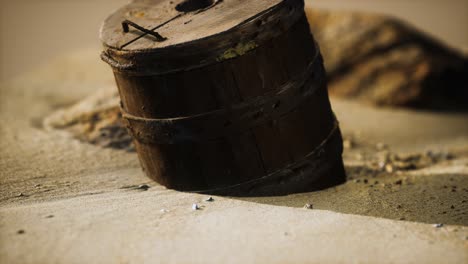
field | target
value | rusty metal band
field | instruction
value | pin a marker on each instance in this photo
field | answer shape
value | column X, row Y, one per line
column 253, row 32
column 238, row 118
column 297, row 175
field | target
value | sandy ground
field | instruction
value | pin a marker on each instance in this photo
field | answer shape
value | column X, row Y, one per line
column 64, row 201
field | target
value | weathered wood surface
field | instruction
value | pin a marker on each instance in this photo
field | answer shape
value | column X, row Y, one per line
column 248, row 32
column 188, row 27
column 212, row 113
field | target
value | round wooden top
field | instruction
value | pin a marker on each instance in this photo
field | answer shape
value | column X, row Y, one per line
column 177, row 22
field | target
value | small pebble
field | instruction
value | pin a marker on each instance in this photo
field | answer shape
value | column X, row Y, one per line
column 448, row 156
column 452, row 207
column 195, row 207
column 210, row 199
column 399, row 182
column 389, row 168
column 50, row 216
column 438, row 225
column 365, row 181
column 308, row 206
column 143, row 187
column 21, row 195
column 382, row 165
column 164, row 211
column 21, row 231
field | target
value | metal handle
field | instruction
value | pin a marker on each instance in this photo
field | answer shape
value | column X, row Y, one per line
column 127, row 23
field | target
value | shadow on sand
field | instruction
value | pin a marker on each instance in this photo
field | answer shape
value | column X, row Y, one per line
column 433, row 198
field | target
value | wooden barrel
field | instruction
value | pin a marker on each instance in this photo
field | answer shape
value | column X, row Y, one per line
column 225, row 97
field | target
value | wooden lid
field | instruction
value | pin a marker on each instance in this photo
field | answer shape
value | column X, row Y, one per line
column 203, row 18
column 202, row 31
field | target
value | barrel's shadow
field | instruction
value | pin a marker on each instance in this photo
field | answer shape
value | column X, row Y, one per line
column 436, row 198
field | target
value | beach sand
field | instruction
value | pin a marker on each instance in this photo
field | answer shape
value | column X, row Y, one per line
column 65, row 201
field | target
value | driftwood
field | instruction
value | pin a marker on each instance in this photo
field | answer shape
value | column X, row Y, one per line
column 383, row 61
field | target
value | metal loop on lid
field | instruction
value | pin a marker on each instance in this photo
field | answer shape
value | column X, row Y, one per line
column 126, row 23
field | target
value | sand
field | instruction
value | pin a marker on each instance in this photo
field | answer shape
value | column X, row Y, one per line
column 65, row 201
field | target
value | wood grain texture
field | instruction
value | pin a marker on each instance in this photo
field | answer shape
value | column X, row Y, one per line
column 189, row 27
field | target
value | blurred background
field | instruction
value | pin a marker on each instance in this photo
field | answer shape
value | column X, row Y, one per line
column 34, row 31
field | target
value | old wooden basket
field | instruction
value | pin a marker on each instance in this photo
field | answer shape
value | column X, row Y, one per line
column 225, row 97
